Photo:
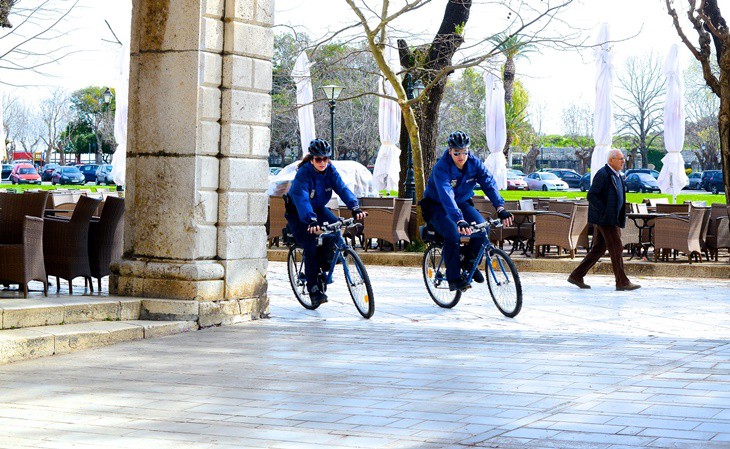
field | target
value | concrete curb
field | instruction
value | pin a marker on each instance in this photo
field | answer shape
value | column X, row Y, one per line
column 714, row 270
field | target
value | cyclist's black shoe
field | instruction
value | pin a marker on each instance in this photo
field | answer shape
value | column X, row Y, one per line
column 459, row 284
column 317, row 296
column 478, row 276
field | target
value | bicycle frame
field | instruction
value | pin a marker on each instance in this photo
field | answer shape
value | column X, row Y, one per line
column 340, row 245
column 487, row 245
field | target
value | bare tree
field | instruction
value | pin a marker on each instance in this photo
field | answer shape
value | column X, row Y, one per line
column 640, row 103
column 701, row 107
column 36, row 37
column 578, row 127
column 535, row 138
column 712, row 33
column 20, row 124
column 432, row 62
column 55, row 114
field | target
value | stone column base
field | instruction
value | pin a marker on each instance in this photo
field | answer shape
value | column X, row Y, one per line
column 184, row 291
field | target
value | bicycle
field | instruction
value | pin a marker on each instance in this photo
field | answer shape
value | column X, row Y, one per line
column 503, row 279
column 358, row 281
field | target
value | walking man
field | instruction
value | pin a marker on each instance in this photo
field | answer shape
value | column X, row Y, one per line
column 607, row 214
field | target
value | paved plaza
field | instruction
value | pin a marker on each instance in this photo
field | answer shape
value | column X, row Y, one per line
column 595, row 369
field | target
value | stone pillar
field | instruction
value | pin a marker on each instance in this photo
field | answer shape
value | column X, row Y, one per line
column 198, row 138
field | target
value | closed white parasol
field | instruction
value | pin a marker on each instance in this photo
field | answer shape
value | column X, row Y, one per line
column 672, row 178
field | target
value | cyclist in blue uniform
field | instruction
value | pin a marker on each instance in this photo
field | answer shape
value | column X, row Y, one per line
column 447, row 206
column 309, row 193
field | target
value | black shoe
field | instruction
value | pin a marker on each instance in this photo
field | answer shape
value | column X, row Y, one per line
column 459, row 284
column 577, row 282
column 477, row 277
column 628, row 287
column 317, row 296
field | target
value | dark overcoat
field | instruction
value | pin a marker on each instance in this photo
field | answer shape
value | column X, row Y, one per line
column 607, row 199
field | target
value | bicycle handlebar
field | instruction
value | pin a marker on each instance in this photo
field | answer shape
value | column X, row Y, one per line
column 491, row 223
column 327, row 230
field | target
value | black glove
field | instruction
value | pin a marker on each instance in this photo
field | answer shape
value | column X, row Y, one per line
column 356, row 212
column 503, row 214
column 462, row 224
column 312, row 223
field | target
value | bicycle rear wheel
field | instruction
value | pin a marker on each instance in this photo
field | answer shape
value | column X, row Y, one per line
column 358, row 283
column 297, row 279
column 504, row 283
column 434, row 275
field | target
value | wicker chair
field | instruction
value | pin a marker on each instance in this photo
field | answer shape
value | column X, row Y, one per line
column 105, row 238
column 375, row 201
column 66, row 244
column 718, row 231
column 677, row 209
column 679, row 233
column 563, row 230
column 276, row 221
column 389, row 224
column 21, row 239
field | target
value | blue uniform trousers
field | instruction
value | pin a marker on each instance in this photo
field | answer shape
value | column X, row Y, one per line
column 308, row 242
column 436, row 216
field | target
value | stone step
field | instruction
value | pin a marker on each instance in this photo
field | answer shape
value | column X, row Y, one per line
column 17, row 313
column 45, row 340
column 564, row 265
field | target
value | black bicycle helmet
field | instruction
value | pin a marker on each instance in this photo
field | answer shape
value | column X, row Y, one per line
column 320, row 147
column 459, row 139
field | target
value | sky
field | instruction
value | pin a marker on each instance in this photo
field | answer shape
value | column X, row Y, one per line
column 553, row 78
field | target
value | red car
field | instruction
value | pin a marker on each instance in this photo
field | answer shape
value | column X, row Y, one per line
column 24, row 174
column 515, row 182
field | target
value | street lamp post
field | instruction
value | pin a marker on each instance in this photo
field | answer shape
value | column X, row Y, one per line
column 331, row 92
column 106, row 99
column 410, row 183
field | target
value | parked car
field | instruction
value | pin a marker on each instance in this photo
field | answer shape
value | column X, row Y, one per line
column 570, row 177
column 585, row 182
column 706, row 175
column 89, row 171
column 47, row 172
column 7, row 168
column 24, row 174
column 519, row 173
column 695, row 181
column 653, row 173
column 545, row 181
column 713, row 183
column 104, row 174
column 641, row 182
column 67, row 175
column 515, row 182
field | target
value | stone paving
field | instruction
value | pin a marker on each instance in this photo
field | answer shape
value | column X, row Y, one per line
column 576, row 369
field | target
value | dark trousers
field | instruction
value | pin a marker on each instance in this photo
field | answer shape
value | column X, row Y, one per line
column 435, row 215
column 605, row 237
column 308, row 242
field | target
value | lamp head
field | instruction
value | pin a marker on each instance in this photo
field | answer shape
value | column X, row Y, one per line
column 332, row 91
column 107, row 96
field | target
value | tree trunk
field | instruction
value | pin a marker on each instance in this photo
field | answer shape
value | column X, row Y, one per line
column 425, row 63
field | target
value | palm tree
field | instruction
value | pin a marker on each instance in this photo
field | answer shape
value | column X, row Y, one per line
column 512, row 46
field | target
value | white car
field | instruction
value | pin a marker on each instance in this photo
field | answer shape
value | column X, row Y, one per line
column 545, row 181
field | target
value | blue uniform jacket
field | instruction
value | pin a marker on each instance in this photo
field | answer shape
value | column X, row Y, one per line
column 450, row 186
column 312, row 190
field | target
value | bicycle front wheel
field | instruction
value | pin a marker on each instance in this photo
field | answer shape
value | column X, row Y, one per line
column 358, row 283
column 434, row 275
column 504, row 283
column 297, row 279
